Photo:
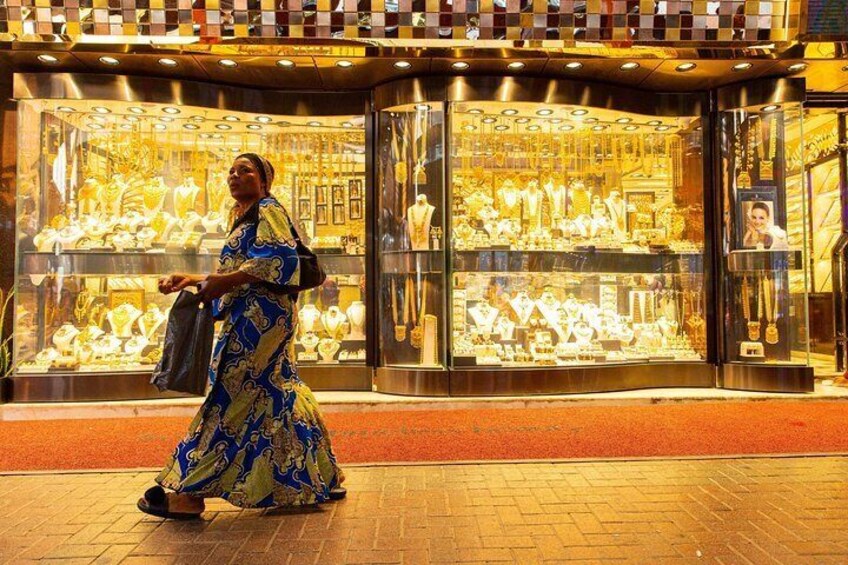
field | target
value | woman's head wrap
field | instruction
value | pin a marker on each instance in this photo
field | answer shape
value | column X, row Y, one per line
column 265, row 168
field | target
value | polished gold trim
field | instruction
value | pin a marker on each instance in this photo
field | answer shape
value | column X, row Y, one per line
column 336, row 377
column 413, row 382
column 754, row 94
column 122, row 88
column 84, row 387
column 767, row 378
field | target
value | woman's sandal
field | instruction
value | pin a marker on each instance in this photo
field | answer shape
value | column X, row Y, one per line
column 155, row 503
column 338, row 493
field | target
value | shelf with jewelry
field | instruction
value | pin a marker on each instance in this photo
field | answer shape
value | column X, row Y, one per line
column 577, row 237
column 112, row 195
column 764, row 250
column 411, row 261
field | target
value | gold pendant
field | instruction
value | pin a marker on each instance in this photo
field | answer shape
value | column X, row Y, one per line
column 400, row 333
column 401, row 173
column 416, row 337
column 766, row 170
column 772, row 337
column 754, row 331
column 419, row 175
column 743, row 179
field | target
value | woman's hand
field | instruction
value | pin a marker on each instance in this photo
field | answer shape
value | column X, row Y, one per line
column 215, row 285
column 178, row 281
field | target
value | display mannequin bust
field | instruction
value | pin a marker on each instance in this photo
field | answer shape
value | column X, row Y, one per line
column 184, row 197
column 509, row 200
column 154, row 195
column 356, row 315
column 617, row 212
column 418, row 218
column 581, row 199
column 557, row 200
column 531, row 205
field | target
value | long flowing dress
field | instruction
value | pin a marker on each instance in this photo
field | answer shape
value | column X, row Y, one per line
column 258, row 439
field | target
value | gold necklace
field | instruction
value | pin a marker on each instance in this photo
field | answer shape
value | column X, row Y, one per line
column 772, row 334
column 743, row 177
column 416, row 337
column 419, row 225
column 753, row 325
column 767, row 156
column 153, row 193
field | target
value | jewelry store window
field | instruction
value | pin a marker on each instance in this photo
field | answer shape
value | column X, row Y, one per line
column 577, row 236
column 113, row 195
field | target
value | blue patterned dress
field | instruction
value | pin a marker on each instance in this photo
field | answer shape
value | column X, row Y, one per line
column 259, row 439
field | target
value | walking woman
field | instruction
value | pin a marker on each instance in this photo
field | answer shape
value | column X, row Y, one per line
column 259, row 440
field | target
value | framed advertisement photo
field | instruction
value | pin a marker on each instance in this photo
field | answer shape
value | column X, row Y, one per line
column 304, row 209
column 756, row 224
column 320, row 214
column 338, row 214
column 320, row 196
column 356, row 209
column 338, row 194
column 354, row 189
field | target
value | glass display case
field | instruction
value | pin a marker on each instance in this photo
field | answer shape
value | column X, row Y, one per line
column 112, row 195
column 765, row 248
column 576, row 236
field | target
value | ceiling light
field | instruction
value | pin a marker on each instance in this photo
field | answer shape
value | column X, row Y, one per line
column 566, row 127
column 534, row 128
column 685, row 67
column 516, row 66
column 111, row 61
column 623, row 120
column 573, row 66
column 197, row 119
column 796, row 68
column 402, row 65
column 231, row 119
column 522, row 121
column 263, row 119
column 544, row 112
column 126, row 126
column 469, row 127
column 663, row 128
column 65, row 109
column 347, row 125
column 285, row 64
column 217, row 136
column 227, row 63
column 344, row 64
column 166, row 119
column 742, row 67
column 205, row 136
column 489, row 120
column 254, row 126
column 223, row 127
column 459, row 66
column 631, row 128
column 132, row 119
column 48, row 59
column 171, row 110
column 599, row 128
column 191, row 126
column 556, row 121
column 501, row 128
column 422, row 107
column 166, row 62
column 475, row 111
column 98, row 119
column 313, row 124
column 591, row 120
column 95, row 126
column 845, row 68
column 580, row 112
column 655, row 123
column 136, row 110
column 160, row 127
column 509, row 112
column 699, row 128
column 770, row 108
column 629, row 66
column 101, row 110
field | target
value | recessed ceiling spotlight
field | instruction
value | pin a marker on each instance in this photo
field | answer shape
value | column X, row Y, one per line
column 48, row 59
column 344, row 64
column 197, row 119
column 65, row 109
column 347, row 125
column 126, row 126
column 111, row 61
column 136, row 110
column 227, row 63
column 685, row 67
column 556, row 121
column 516, row 66
column 573, row 66
column 263, row 119
column 231, row 119
column 223, row 127
column 101, row 110
column 217, row 136
column 166, row 119
column 489, row 120
column 475, row 111
column 629, row 66
column 167, row 62
column 655, row 123
column 522, row 121
column 580, row 112
column 254, row 126
column 663, row 128
column 534, row 128
column 590, row 120
column 623, row 120
column 509, row 112
column 422, row 107
column 460, row 66
column 501, row 128
column 132, row 119
column 599, row 128
column 95, row 126
column 738, row 67
column 191, row 126
column 402, row 65
column 699, row 128
column 313, row 124
column 631, row 128
column 566, row 127
column 796, row 68
column 171, row 110
column 469, row 127
column 770, row 108
column 205, row 136
column 98, row 119
column 544, row 112
column 286, row 64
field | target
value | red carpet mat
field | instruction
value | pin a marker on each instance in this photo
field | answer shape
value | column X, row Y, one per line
column 721, row 428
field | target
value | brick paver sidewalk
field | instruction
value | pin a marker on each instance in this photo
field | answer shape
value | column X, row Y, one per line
column 781, row 510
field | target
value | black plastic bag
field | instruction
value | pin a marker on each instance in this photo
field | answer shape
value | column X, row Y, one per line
column 184, row 366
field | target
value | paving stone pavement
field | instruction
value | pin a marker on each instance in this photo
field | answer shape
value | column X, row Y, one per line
column 756, row 510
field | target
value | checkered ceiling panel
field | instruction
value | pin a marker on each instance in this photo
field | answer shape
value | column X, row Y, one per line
column 510, row 20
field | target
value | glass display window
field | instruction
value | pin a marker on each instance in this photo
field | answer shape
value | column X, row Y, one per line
column 577, row 236
column 411, row 229
column 112, row 195
column 764, row 236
